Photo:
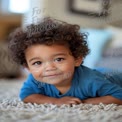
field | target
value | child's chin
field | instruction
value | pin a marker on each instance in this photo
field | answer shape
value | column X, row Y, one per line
column 53, row 82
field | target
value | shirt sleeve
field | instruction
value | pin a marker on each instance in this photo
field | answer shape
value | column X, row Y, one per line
column 100, row 86
column 30, row 86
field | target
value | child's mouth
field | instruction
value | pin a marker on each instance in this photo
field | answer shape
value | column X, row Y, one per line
column 52, row 75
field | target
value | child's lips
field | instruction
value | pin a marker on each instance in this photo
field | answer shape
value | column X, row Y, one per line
column 52, row 75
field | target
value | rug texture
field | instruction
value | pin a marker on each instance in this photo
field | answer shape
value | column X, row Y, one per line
column 14, row 110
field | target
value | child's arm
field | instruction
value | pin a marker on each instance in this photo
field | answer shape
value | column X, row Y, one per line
column 41, row 99
column 104, row 99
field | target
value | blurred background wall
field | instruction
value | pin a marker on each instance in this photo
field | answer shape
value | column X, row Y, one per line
column 60, row 9
column 105, row 32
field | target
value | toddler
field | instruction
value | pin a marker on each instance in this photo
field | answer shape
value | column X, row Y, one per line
column 53, row 52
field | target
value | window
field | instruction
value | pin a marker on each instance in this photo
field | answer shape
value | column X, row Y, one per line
column 15, row 6
column 19, row 6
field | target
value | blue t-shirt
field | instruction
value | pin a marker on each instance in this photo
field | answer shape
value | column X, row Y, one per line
column 86, row 83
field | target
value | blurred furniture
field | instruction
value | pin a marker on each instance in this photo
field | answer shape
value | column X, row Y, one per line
column 112, row 55
column 106, row 47
column 8, row 69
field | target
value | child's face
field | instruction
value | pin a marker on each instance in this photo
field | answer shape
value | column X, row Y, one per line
column 51, row 64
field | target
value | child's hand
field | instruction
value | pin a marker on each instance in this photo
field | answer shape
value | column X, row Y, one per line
column 68, row 101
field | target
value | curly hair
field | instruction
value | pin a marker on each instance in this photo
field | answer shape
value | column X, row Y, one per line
column 48, row 32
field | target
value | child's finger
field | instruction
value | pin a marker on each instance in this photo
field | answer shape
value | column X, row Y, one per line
column 77, row 100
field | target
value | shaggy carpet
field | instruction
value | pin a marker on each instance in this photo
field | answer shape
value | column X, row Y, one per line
column 14, row 110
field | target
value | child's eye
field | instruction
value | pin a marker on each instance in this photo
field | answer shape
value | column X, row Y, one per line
column 37, row 63
column 59, row 59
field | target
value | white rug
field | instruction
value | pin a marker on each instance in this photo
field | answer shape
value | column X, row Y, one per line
column 13, row 110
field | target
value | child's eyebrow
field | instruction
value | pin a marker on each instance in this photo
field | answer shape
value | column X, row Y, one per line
column 60, row 54
column 35, row 58
column 57, row 54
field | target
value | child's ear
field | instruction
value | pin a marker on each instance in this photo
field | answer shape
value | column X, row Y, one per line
column 78, row 61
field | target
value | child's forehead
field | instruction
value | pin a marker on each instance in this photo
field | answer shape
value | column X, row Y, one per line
column 53, row 46
column 46, row 51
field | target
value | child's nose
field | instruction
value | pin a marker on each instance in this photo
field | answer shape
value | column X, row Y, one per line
column 49, row 66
